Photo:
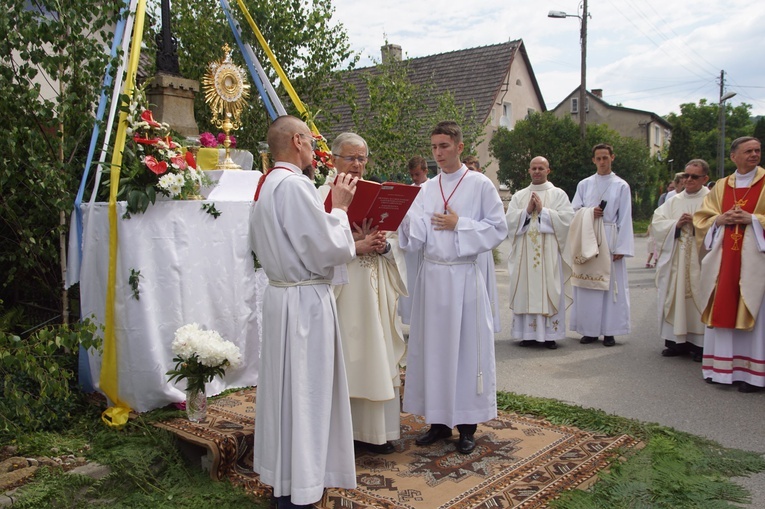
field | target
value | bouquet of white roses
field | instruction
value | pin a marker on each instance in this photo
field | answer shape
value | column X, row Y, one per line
column 200, row 356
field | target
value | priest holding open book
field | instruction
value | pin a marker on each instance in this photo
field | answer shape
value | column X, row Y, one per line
column 373, row 343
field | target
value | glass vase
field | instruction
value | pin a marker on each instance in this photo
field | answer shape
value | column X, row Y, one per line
column 196, row 405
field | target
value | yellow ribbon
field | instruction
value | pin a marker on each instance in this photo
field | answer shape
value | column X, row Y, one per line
column 282, row 76
column 108, row 381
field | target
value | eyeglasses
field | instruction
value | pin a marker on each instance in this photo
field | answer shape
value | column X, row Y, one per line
column 693, row 177
column 314, row 143
column 351, row 159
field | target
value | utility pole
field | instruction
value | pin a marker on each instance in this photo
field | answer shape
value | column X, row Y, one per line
column 721, row 148
column 583, row 88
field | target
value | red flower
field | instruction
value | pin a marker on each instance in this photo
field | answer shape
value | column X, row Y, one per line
column 146, row 116
column 158, row 167
column 145, row 141
column 170, row 143
column 190, row 160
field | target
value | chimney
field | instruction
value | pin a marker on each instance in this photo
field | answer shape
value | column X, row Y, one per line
column 391, row 52
column 597, row 92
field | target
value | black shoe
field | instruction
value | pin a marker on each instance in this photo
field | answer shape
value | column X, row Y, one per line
column 746, row 387
column 285, row 502
column 466, row 443
column 586, row 340
column 434, row 434
column 697, row 356
column 670, row 352
column 386, row 448
column 551, row 345
column 608, row 341
column 527, row 342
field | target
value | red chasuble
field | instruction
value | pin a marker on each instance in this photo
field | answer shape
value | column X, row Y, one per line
column 728, row 292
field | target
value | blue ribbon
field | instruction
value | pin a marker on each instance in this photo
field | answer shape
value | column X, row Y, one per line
column 248, row 61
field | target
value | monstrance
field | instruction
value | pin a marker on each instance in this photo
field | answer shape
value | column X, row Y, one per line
column 226, row 91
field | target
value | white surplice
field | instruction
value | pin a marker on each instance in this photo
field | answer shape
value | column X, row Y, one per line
column 303, row 430
column 451, row 375
column 373, row 343
column 606, row 313
column 539, row 293
column 678, row 270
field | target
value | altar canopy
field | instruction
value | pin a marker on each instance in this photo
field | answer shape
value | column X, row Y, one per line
column 141, row 278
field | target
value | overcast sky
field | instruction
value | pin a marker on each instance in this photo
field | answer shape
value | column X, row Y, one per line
column 644, row 54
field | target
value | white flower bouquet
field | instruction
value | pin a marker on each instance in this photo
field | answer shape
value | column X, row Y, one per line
column 200, row 356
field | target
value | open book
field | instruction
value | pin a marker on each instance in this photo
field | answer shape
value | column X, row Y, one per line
column 385, row 204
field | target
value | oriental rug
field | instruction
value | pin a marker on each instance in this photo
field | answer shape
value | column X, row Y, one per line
column 519, row 462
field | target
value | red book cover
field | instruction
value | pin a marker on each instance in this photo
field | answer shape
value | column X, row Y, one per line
column 385, row 204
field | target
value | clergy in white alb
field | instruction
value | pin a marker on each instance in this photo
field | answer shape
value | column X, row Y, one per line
column 730, row 222
column 538, row 218
column 450, row 376
column 678, row 267
column 598, row 312
column 373, row 343
column 303, row 429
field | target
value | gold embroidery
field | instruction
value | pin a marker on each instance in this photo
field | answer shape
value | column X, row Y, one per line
column 587, row 277
column 533, row 325
column 736, row 236
column 555, row 325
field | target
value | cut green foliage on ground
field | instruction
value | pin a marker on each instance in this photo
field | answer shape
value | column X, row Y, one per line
column 674, row 469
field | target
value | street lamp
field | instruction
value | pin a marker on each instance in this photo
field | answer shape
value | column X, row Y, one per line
column 583, row 39
column 721, row 152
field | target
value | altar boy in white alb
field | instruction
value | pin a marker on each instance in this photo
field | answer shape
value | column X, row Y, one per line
column 538, row 219
column 606, row 199
column 450, row 377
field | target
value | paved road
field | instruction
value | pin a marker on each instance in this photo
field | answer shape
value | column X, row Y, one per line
column 631, row 379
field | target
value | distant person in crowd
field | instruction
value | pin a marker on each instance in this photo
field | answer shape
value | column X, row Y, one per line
column 373, row 343
column 418, row 171
column 538, row 218
column 663, row 197
column 451, row 373
column 730, row 222
column 486, row 260
column 679, row 267
column 303, row 429
column 679, row 185
column 472, row 163
column 599, row 238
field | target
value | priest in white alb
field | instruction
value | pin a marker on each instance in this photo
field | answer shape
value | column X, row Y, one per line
column 678, row 267
column 303, row 430
column 538, row 218
column 604, row 200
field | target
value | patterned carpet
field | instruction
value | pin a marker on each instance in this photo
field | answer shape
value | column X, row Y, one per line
column 518, row 462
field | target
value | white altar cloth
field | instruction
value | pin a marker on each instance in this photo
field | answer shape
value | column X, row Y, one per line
column 193, row 268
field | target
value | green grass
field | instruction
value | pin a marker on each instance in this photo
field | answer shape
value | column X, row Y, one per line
column 640, row 226
column 673, row 470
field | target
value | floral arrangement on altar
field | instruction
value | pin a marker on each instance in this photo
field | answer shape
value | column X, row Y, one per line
column 200, row 356
column 322, row 162
column 208, row 140
column 153, row 163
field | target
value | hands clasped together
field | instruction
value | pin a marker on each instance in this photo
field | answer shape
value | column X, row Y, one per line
column 736, row 215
